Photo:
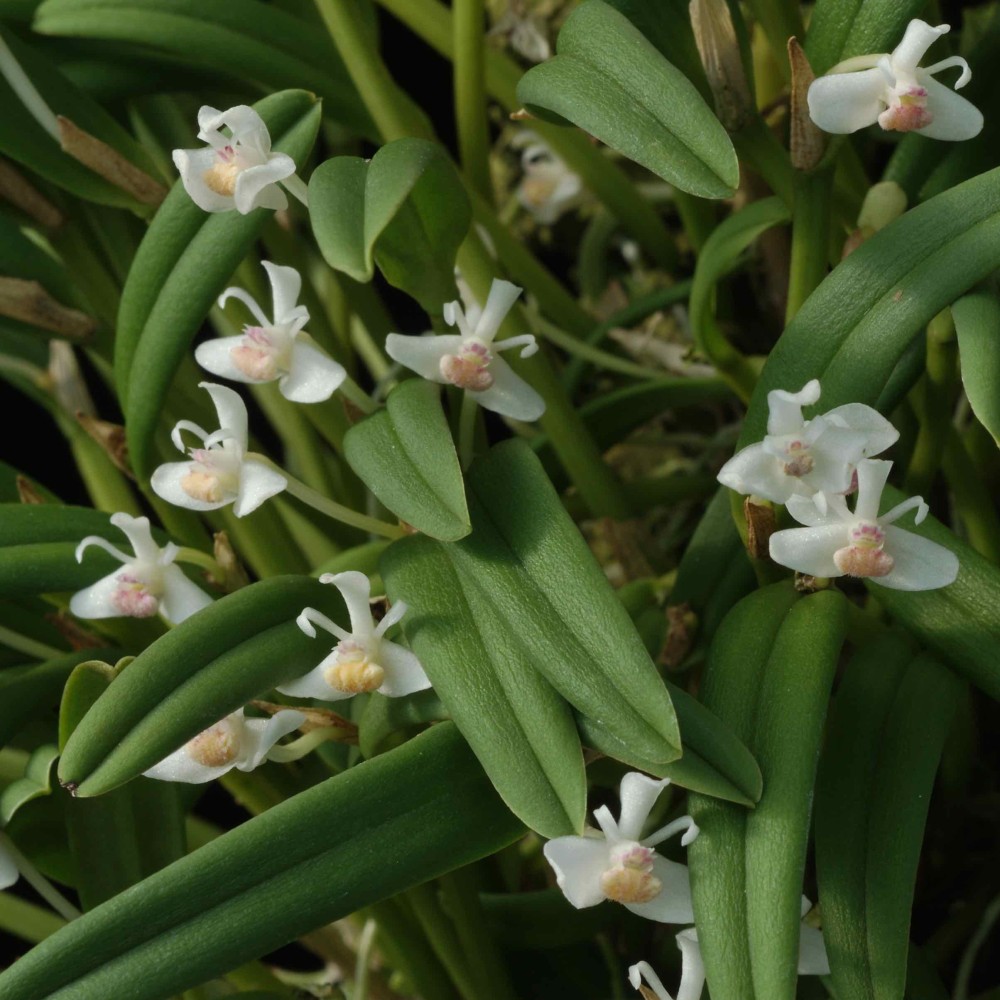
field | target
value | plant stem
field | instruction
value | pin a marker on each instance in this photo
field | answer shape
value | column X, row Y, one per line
column 757, row 145
column 25, row 920
column 366, row 944
column 468, row 17
column 580, row 348
column 297, row 188
column 28, row 646
column 810, row 236
column 39, row 882
column 467, row 430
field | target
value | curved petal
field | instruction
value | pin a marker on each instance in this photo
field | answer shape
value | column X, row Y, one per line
column 955, row 118
column 813, row 960
column 259, row 735
column 313, row 375
column 256, row 187
column 500, row 301
column 878, row 432
column 809, row 550
column 918, row 563
column 230, row 409
column 286, row 286
column 784, row 409
column 835, row 454
column 258, row 482
column 181, row 596
column 692, row 966
column 579, row 863
column 644, row 971
column 753, row 471
column 96, row 601
column 136, row 530
column 192, row 164
column 805, row 511
column 404, row 673
column 209, row 122
column 872, row 476
column 181, row 766
column 166, row 484
column 638, row 793
column 216, row 356
column 242, row 295
column 101, row 543
column 917, row 39
column 510, row 395
column 9, row 873
column 673, row 903
column 845, row 102
column 423, row 354
column 356, row 589
column 314, row 684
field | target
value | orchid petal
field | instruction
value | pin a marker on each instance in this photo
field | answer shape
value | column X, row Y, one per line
column 230, row 409
column 258, row 482
column 842, row 103
column 216, row 356
column 356, row 589
column 579, row 863
column 805, row 511
column 391, row 617
column 510, row 395
column 503, row 295
column 181, row 597
column 314, row 683
column 192, row 165
column 917, row 39
column 313, row 375
column 259, row 735
column 672, row 905
column 423, row 354
column 404, row 673
column 643, row 970
column 963, row 78
column 753, row 471
column 784, row 408
column 638, row 795
column 955, row 118
column 692, row 966
column 810, row 550
column 137, row 531
column 813, row 960
column 256, row 186
column 880, row 434
column 181, row 766
column 166, row 483
column 286, row 286
column 918, row 563
column 101, row 543
column 97, row 600
column 872, row 476
column 242, row 295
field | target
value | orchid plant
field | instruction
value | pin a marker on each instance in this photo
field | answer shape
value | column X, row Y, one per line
column 590, row 523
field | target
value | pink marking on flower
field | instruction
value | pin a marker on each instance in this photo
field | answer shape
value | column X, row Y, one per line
column 133, row 598
column 865, row 556
column 909, row 114
column 630, row 878
column 468, row 369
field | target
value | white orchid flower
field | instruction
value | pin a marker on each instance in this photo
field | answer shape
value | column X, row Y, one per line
column 813, row 961
column 895, row 91
column 276, row 348
column 147, row 583
column 471, row 358
column 806, row 457
column 614, row 863
column 548, row 187
column 236, row 170
column 220, row 472
column 526, row 33
column 9, row 872
column 839, row 542
column 362, row 660
column 234, row 741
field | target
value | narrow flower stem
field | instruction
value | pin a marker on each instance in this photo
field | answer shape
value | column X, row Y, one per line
column 28, row 646
column 297, row 188
column 26, row 920
column 39, row 882
column 366, row 945
column 357, row 396
column 297, row 749
column 810, row 236
column 468, row 19
column 467, row 430
column 195, row 557
column 26, row 91
column 579, row 348
column 331, row 508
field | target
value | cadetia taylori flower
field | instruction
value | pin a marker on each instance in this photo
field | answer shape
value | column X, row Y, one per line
column 813, row 961
column 362, row 660
column 147, row 583
column 615, row 863
column 237, row 170
column 220, row 472
column 839, row 542
column 895, row 91
column 275, row 348
column 234, row 741
column 804, row 457
column 9, row 872
column 548, row 187
column 524, row 31
column 471, row 358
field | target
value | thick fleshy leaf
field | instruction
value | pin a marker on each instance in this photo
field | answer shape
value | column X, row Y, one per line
column 887, row 728
column 405, row 455
column 362, row 836
column 840, row 29
column 199, row 672
column 977, row 323
column 405, row 210
column 37, row 781
column 185, row 260
column 257, row 42
column 769, row 676
column 613, row 83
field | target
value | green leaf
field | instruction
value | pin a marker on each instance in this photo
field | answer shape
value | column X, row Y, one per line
column 405, row 455
column 887, row 728
column 769, row 676
column 722, row 248
column 977, row 322
column 613, row 83
column 405, row 210
column 183, row 263
column 256, row 42
column 23, row 139
column 852, row 331
column 208, row 666
column 37, row 781
column 367, row 834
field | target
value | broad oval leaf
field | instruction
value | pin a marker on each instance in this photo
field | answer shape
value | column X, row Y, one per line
column 37, row 781
column 405, row 455
column 405, row 209
column 977, row 323
column 887, row 728
column 209, row 665
column 613, row 83
column 367, row 834
column 181, row 266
